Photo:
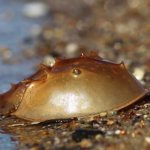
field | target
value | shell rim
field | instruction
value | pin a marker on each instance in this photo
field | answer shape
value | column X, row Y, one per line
column 121, row 106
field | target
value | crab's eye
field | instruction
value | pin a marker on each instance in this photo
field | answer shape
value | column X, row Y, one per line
column 76, row 71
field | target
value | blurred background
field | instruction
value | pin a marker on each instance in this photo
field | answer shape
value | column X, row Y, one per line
column 39, row 31
column 34, row 31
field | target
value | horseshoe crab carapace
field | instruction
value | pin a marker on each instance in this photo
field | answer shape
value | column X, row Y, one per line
column 71, row 88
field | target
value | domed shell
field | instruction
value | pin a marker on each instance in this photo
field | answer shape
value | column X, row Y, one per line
column 72, row 88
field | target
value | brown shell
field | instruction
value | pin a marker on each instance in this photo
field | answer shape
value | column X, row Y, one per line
column 71, row 88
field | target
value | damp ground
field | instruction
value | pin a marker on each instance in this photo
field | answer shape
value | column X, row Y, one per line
column 28, row 38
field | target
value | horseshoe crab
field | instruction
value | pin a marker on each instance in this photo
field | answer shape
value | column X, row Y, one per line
column 71, row 88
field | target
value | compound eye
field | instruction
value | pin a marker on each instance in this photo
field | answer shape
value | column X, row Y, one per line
column 76, row 72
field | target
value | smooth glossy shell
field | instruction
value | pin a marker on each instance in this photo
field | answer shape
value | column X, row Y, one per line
column 71, row 88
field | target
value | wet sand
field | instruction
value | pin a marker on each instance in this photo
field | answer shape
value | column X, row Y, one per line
column 118, row 32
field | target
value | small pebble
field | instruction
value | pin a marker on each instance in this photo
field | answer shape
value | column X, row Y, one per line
column 111, row 113
column 71, row 49
column 35, row 10
column 145, row 116
column 85, row 143
column 56, row 140
column 16, row 125
column 49, row 61
column 147, row 105
column 137, row 114
column 98, row 137
column 139, row 73
column 109, row 133
column 118, row 132
column 103, row 114
column 110, row 122
column 147, row 139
